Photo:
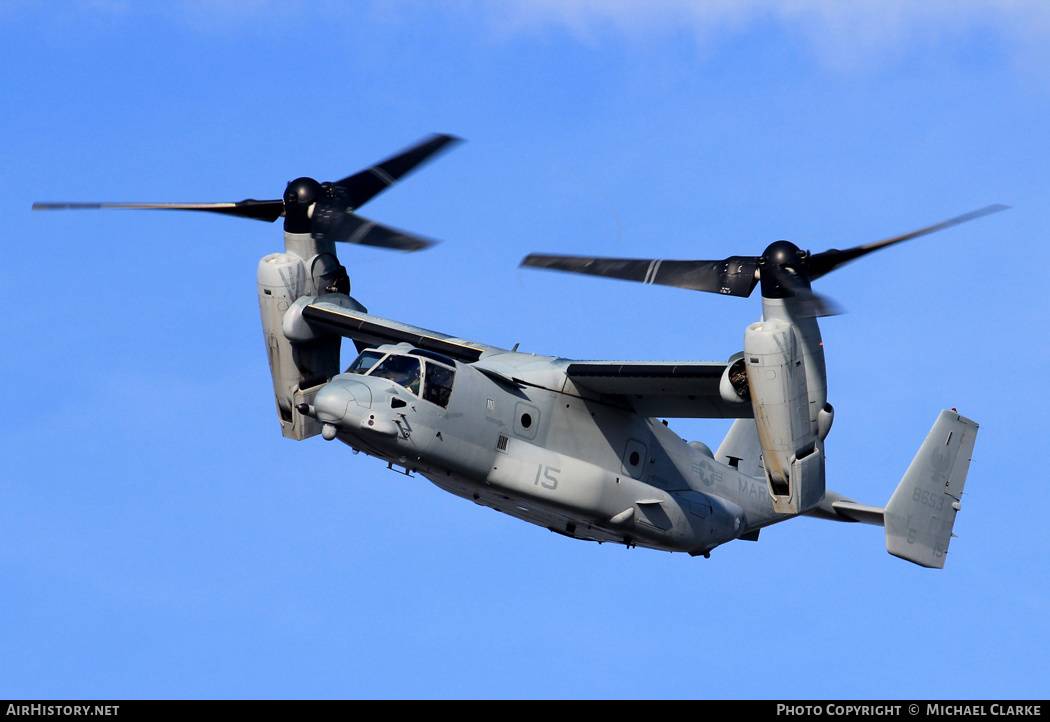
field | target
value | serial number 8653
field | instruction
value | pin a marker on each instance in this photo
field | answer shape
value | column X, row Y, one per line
column 926, row 498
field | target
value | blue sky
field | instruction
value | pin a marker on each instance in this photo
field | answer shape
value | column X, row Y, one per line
column 158, row 536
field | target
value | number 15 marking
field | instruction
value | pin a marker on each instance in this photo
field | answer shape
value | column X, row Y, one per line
column 548, row 474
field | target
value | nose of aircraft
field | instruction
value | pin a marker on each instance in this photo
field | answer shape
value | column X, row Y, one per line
column 345, row 405
column 333, row 400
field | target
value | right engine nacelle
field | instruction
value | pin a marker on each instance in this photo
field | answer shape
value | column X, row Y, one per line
column 733, row 387
column 792, row 449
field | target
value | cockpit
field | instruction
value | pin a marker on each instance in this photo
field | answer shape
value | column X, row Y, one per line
column 425, row 374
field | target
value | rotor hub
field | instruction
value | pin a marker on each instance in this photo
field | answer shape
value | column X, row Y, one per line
column 784, row 270
column 299, row 195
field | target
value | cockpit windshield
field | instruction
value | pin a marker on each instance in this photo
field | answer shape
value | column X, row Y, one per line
column 433, row 385
column 364, row 362
column 402, row 370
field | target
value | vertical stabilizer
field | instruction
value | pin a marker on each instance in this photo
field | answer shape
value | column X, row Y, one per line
column 921, row 513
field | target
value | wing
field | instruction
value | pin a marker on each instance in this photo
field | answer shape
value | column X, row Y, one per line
column 367, row 330
column 672, row 390
column 668, row 390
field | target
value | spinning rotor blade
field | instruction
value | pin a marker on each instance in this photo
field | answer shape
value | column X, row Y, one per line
column 324, row 210
column 367, row 184
column 250, row 208
column 813, row 305
column 333, row 224
column 734, row 276
column 826, row 262
column 784, row 269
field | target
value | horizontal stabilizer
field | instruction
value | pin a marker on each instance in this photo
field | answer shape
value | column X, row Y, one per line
column 863, row 513
column 921, row 513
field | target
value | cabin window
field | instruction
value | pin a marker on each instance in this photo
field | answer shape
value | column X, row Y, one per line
column 438, row 387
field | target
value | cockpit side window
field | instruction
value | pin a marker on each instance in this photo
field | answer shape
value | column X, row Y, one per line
column 364, row 362
column 438, row 388
column 402, row 370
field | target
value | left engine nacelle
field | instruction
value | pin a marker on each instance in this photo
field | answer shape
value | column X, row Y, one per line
column 298, row 369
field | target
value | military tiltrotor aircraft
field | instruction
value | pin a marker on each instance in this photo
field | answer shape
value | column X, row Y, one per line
column 579, row 447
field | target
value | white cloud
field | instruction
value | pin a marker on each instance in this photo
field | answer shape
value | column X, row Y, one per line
column 842, row 34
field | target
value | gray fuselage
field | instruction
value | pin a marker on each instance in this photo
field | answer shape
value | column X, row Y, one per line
column 518, row 436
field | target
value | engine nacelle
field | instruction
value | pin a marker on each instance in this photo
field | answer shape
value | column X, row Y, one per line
column 307, row 268
column 733, row 388
column 792, row 450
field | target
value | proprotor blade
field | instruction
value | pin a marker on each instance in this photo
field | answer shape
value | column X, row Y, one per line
column 333, row 224
column 325, row 210
column 365, row 185
column 826, row 262
column 733, row 276
column 249, row 208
